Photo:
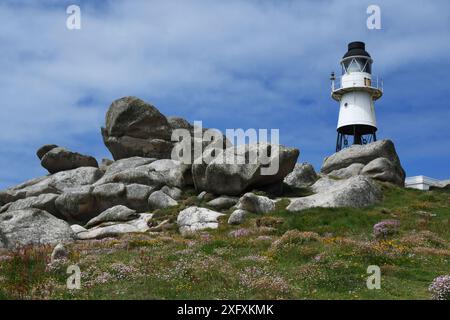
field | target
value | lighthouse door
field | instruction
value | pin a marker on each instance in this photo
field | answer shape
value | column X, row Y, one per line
column 367, row 82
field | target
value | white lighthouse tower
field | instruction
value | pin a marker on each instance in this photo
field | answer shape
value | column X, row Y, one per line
column 356, row 92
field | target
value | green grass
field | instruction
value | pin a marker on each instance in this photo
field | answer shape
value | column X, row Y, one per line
column 325, row 258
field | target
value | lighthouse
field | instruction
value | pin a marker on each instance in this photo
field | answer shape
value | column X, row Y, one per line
column 356, row 91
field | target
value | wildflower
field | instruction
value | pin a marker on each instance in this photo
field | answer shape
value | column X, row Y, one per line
column 385, row 228
column 440, row 288
column 240, row 233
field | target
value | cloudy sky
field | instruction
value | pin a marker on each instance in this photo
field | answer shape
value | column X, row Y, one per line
column 232, row 64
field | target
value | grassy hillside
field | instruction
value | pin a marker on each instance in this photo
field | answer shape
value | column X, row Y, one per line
column 314, row 254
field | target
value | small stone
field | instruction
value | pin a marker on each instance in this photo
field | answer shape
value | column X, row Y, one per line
column 223, row 202
column 257, row 204
column 237, row 217
column 59, row 253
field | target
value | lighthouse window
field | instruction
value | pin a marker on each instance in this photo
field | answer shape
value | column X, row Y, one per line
column 356, row 65
column 367, row 66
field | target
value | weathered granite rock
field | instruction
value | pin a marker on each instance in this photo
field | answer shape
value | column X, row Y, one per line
column 60, row 159
column 231, row 173
column 160, row 200
column 109, row 195
column 56, row 183
column 137, row 196
column 136, row 128
column 104, row 164
column 32, row 227
column 302, row 176
column 173, row 192
column 139, row 225
column 76, row 228
column 356, row 192
column 113, row 214
column 390, row 170
column 150, row 172
column 44, row 149
column 384, row 170
column 77, row 205
column 223, row 202
column 237, row 217
column 172, row 173
column 59, row 253
column 352, row 170
column 44, row 202
column 193, row 219
column 256, row 204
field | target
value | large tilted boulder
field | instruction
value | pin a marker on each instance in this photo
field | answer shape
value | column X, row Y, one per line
column 60, row 159
column 302, row 176
column 231, row 173
column 379, row 158
column 356, row 192
column 136, row 128
column 32, row 227
column 193, row 219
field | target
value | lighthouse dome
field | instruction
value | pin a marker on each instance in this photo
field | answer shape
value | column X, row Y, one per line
column 356, row 48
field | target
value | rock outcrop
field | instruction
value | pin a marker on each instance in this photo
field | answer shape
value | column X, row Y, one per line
column 379, row 158
column 114, row 198
column 231, row 172
column 32, row 227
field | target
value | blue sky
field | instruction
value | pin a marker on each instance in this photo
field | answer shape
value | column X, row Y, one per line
column 231, row 64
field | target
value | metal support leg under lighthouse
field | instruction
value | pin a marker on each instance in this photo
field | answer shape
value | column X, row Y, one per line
column 356, row 93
